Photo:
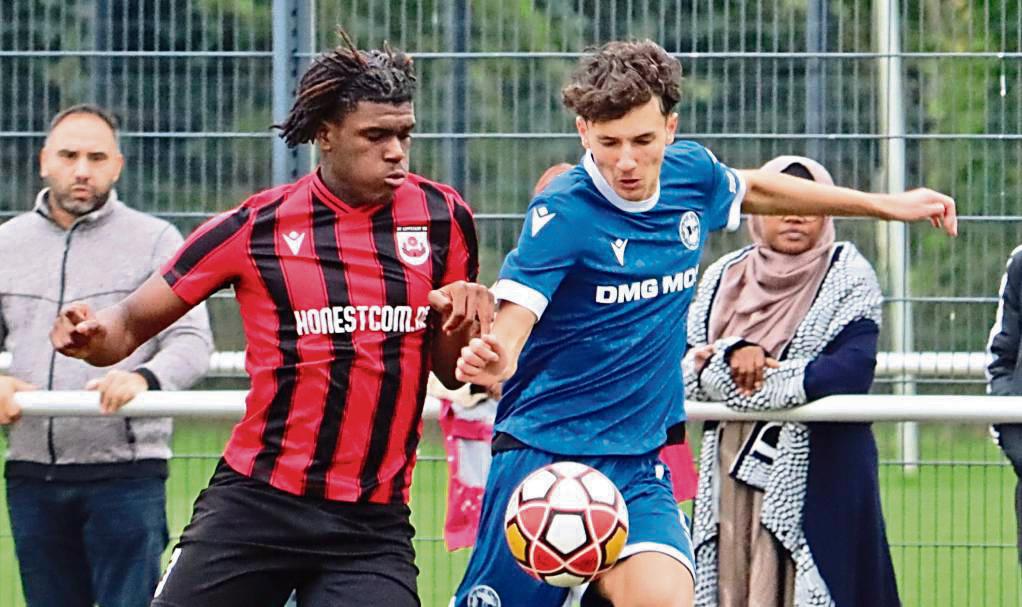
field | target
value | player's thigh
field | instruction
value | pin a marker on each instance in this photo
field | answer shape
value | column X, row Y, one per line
column 359, row 589
column 493, row 577
column 656, row 566
column 208, row 574
column 647, row 579
column 383, row 576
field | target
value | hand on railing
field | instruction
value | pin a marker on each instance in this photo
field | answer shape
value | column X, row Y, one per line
column 117, row 388
column 10, row 410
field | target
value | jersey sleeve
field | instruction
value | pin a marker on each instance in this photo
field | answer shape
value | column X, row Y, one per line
column 545, row 253
column 463, row 258
column 210, row 258
column 725, row 189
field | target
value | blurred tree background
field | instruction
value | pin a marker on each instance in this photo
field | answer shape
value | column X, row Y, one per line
column 192, row 83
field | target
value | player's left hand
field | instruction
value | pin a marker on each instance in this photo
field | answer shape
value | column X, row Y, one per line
column 117, row 388
column 76, row 331
column 748, row 364
column 462, row 303
column 923, row 203
column 483, row 362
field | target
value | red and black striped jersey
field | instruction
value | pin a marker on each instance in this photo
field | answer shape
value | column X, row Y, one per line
column 334, row 303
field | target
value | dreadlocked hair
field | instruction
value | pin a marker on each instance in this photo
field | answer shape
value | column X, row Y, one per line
column 338, row 80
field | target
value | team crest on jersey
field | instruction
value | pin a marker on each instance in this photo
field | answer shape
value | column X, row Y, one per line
column 413, row 245
column 688, row 229
column 483, row 596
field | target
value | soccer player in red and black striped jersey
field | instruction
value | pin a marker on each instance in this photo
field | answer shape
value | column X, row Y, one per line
column 353, row 282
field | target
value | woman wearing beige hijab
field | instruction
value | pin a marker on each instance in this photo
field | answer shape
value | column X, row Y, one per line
column 787, row 514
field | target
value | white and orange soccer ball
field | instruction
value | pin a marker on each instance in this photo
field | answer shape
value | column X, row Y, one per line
column 566, row 524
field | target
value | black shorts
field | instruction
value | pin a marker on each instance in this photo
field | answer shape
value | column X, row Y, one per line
column 249, row 544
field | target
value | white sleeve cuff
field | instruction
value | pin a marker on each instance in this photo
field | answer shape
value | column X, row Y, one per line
column 734, row 214
column 517, row 293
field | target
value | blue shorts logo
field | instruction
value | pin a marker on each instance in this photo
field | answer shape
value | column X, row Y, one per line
column 483, row 596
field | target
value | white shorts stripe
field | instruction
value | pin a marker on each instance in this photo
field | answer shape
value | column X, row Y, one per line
column 671, row 551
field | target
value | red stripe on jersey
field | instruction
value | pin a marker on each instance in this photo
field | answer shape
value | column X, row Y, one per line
column 285, row 376
column 214, row 238
column 470, row 245
column 304, row 280
column 263, row 357
column 439, row 213
column 410, row 214
column 325, row 227
column 365, row 288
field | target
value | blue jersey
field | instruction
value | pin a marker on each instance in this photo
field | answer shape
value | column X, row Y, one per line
column 610, row 281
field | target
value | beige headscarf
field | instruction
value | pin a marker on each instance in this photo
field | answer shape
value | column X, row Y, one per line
column 765, row 296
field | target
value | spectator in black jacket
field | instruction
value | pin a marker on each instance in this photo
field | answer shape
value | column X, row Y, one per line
column 1003, row 372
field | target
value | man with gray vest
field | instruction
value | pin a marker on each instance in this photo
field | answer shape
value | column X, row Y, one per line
column 86, row 495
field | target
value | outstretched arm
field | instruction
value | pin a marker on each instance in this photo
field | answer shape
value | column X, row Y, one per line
column 778, row 194
column 108, row 336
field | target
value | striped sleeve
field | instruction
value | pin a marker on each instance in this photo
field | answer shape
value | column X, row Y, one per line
column 463, row 258
column 209, row 258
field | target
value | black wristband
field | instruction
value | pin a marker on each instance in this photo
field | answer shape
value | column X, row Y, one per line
column 150, row 378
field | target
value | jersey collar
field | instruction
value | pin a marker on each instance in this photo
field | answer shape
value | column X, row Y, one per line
column 629, row 206
column 324, row 193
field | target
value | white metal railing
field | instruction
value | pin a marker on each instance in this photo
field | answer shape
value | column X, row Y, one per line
column 955, row 365
column 229, row 404
column 933, row 364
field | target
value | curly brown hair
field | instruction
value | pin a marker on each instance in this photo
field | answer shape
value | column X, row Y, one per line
column 620, row 76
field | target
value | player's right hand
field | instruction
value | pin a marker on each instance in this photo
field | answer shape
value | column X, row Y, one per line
column 10, row 412
column 117, row 388
column 748, row 365
column 76, row 331
column 483, row 362
column 461, row 304
column 924, row 203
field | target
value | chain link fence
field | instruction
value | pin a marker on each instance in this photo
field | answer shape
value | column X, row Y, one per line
column 882, row 93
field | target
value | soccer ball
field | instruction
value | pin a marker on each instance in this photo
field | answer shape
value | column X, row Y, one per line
column 566, row 524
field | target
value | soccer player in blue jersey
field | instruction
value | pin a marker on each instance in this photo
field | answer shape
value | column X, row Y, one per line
column 590, row 330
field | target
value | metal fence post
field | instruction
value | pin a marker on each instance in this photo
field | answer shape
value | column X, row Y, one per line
column 292, row 34
column 895, row 234
column 101, row 66
column 457, row 109
column 816, row 82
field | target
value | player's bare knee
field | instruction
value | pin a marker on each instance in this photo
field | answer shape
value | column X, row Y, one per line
column 649, row 580
column 654, row 593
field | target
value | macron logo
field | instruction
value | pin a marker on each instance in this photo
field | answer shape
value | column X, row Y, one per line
column 294, row 241
column 619, row 249
column 540, row 217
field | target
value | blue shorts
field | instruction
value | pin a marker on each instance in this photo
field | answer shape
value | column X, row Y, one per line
column 493, row 577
